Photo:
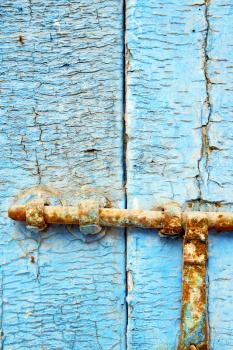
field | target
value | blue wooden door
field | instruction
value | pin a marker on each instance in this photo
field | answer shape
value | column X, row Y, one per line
column 179, row 127
column 132, row 99
column 61, row 126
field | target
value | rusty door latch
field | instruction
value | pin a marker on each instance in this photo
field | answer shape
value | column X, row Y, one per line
column 170, row 222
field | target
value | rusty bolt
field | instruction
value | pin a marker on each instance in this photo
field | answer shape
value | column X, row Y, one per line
column 172, row 224
column 192, row 347
column 35, row 214
column 89, row 217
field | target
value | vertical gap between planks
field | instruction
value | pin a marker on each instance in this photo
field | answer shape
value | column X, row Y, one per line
column 124, row 161
column 124, row 128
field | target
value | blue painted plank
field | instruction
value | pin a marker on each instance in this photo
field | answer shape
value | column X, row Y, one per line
column 61, row 125
column 218, row 183
column 168, row 109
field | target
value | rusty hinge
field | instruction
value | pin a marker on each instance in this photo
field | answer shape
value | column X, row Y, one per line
column 170, row 221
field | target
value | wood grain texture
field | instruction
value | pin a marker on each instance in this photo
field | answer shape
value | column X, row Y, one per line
column 178, row 124
column 218, row 183
column 61, row 125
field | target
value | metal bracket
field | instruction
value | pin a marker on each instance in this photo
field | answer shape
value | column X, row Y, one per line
column 35, row 215
column 89, row 217
column 194, row 319
column 169, row 221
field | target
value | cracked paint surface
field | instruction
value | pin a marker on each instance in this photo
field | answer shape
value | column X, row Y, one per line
column 179, row 126
column 203, row 168
column 62, row 122
column 61, row 126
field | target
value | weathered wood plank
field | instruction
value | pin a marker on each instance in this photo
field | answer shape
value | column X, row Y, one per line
column 218, row 182
column 61, row 125
column 167, row 108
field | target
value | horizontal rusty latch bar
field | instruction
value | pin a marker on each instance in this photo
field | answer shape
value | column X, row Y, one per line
column 170, row 221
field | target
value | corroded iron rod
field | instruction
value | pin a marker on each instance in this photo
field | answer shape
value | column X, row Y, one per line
column 107, row 216
column 194, row 316
column 169, row 221
column 127, row 217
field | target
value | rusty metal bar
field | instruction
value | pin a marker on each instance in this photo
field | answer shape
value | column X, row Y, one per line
column 194, row 319
column 108, row 216
column 170, row 221
column 129, row 217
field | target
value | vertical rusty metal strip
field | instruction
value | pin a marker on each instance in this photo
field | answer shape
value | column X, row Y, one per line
column 194, row 319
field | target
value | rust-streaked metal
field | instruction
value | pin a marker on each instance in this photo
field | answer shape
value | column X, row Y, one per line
column 194, row 319
column 89, row 217
column 35, row 215
column 107, row 216
column 169, row 222
column 172, row 224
